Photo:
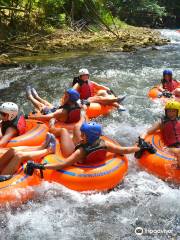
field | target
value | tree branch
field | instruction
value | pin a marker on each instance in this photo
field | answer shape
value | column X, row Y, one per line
column 12, row 8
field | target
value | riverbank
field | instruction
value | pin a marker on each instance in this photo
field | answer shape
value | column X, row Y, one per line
column 126, row 39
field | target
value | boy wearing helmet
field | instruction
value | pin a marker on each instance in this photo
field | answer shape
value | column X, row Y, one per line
column 170, row 127
column 168, row 83
column 94, row 92
column 91, row 148
column 12, row 122
column 69, row 112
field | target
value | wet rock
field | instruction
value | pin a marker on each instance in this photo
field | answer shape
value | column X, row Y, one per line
column 154, row 49
column 27, row 66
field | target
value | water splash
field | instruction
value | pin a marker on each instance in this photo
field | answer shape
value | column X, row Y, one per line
column 172, row 35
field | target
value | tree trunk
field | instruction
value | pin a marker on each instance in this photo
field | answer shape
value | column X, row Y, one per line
column 72, row 12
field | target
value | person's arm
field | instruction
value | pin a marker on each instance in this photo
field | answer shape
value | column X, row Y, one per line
column 10, row 133
column 99, row 86
column 47, row 117
column 116, row 148
column 78, row 155
column 156, row 126
column 176, row 91
column 76, row 86
column 42, row 117
column 160, row 88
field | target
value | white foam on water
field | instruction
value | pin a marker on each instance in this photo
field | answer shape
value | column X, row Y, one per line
column 172, row 35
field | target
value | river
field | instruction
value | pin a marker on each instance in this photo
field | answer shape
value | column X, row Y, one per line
column 142, row 200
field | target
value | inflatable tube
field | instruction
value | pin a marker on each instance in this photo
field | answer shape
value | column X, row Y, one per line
column 68, row 126
column 93, row 111
column 154, row 94
column 160, row 164
column 96, row 110
column 83, row 177
column 18, row 189
column 79, row 177
column 34, row 136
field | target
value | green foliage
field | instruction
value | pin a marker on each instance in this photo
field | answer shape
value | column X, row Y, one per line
column 49, row 29
column 139, row 11
column 32, row 15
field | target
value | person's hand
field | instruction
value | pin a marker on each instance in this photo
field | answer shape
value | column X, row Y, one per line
column 85, row 102
column 52, row 121
column 167, row 94
column 146, row 146
column 29, row 170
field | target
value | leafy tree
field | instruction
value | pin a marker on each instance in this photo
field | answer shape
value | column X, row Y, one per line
column 37, row 15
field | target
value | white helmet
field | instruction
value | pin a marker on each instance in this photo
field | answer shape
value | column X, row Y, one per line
column 83, row 71
column 9, row 108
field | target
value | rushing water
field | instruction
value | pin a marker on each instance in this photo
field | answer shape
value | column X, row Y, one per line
column 142, row 200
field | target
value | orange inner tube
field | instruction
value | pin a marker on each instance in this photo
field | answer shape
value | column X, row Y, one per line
column 96, row 109
column 84, row 177
column 19, row 189
column 162, row 163
column 153, row 94
column 68, row 126
column 35, row 135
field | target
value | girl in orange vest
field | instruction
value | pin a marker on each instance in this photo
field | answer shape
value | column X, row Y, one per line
column 168, row 83
column 93, row 92
column 170, row 128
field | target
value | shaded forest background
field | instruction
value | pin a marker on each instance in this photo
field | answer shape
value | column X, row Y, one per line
column 43, row 16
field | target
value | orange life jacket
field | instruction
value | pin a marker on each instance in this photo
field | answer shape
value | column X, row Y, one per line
column 170, row 85
column 86, row 89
